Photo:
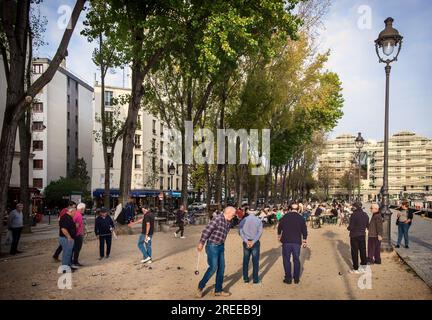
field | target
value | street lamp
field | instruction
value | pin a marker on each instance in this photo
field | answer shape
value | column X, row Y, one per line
column 388, row 40
column 359, row 143
column 171, row 172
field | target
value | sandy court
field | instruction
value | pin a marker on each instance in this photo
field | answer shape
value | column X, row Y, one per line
column 172, row 273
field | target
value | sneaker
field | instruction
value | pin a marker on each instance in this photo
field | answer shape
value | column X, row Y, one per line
column 107, row 257
column 246, row 281
column 287, row 281
column 222, row 294
column 406, row 247
column 75, row 266
column 296, row 281
column 397, row 246
column 182, row 237
column 355, row 271
column 257, row 282
column 146, row 260
column 175, row 235
column 100, row 258
column 150, row 261
column 199, row 293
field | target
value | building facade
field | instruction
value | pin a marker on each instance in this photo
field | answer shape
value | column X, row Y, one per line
column 410, row 165
column 150, row 161
column 62, row 124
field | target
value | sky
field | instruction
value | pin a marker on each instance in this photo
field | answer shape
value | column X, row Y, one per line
column 349, row 30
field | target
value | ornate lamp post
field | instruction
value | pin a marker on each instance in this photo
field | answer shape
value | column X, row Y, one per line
column 388, row 40
column 171, row 172
column 359, row 143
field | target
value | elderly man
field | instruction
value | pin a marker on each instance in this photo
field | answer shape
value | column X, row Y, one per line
column 15, row 225
column 292, row 232
column 375, row 235
column 67, row 235
column 215, row 235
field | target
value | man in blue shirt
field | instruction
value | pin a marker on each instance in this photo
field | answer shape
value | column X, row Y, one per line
column 292, row 232
column 251, row 229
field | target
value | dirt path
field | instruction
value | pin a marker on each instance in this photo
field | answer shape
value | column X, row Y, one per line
column 172, row 274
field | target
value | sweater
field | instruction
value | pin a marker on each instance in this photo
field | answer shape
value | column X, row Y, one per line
column 359, row 221
column 376, row 226
column 292, row 226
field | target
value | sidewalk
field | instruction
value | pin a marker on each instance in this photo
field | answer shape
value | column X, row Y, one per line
column 419, row 254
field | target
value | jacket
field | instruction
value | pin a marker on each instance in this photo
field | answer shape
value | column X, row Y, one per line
column 376, row 226
column 359, row 221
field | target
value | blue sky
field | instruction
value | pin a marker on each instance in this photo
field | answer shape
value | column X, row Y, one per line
column 352, row 57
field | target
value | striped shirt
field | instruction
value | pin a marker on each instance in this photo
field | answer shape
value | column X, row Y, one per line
column 216, row 231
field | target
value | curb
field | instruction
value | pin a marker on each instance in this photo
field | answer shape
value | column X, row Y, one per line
column 422, row 275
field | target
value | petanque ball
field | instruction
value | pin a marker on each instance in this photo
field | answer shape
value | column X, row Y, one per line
column 178, row 268
column 196, row 272
column 340, row 273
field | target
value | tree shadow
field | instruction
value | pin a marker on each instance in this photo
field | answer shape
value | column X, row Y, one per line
column 345, row 252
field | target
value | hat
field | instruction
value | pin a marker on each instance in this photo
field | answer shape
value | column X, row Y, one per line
column 103, row 209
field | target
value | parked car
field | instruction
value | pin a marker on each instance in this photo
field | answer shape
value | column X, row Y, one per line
column 197, row 206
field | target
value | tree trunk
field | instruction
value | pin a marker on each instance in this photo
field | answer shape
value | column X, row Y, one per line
column 275, row 186
column 256, row 189
column 25, row 145
column 208, row 186
column 267, row 182
column 284, row 187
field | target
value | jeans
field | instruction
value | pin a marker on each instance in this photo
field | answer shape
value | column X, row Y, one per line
column 77, row 248
column 181, row 228
column 146, row 248
column 16, row 235
column 374, row 250
column 287, row 250
column 358, row 244
column 67, row 246
column 216, row 262
column 247, row 252
column 403, row 229
column 102, row 240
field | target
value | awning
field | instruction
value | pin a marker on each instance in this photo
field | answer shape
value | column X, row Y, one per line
column 140, row 193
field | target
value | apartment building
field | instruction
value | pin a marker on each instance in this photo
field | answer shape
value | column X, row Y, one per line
column 410, row 165
column 150, row 161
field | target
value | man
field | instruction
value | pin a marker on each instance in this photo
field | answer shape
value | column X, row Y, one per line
column 71, row 204
column 404, row 220
column 375, row 235
column 251, row 229
column 214, row 236
column 180, row 215
column 129, row 211
column 292, row 232
column 67, row 235
column 104, row 227
column 78, row 219
column 15, row 225
column 145, row 239
column 358, row 223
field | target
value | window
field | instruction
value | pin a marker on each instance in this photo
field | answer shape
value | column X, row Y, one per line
column 177, row 171
column 137, row 161
column 161, row 183
column 108, row 117
column 177, row 183
column 108, row 98
column 139, row 122
column 76, row 119
column 68, row 82
column 154, row 126
column 37, row 107
column 169, row 183
column 138, row 141
column 68, row 115
column 76, row 152
column 68, row 133
column 37, row 164
column 37, row 145
column 38, row 68
column 161, row 147
column 38, row 126
column 68, row 98
column 154, row 145
column 161, row 130
column 76, row 136
column 153, row 164
column 38, row 183
column 76, row 103
column 76, row 86
column 161, row 169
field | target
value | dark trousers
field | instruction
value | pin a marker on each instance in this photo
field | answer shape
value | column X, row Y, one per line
column 358, row 244
column 102, row 240
column 77, row 248
column 293, row 249
column 247, row 253
column 181, row 228
column 374, row 250
column 57, row 252
column 16, row 235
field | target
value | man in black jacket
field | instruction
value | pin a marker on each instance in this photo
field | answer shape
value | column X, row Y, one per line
column 358, row 224
column 104, row 227
column 292, row 232
column 180, row 215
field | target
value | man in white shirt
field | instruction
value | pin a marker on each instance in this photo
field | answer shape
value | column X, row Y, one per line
column 15, row 225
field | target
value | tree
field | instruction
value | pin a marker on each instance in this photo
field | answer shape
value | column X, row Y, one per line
column 80, row 173
column 57, row 192
column 14, row 36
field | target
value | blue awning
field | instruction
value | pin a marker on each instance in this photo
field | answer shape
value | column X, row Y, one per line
column 140, row 193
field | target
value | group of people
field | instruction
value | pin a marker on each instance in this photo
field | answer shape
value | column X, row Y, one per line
column 292, row 233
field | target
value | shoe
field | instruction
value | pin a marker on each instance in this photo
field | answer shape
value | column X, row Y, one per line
column 56, row 259
column 19, row 251
column 397, row 246
column 100, row 258
column 246, row 281
column 146, row 260
column 107, row 257
column 12, row 253
column 75, row 266
column 182, row 237
column 175, row 235
column 78, row 264
column 355, row 271
column 257, row 282
column 150, row 261
column 296, row 281
column 287, row 281
column 199, row 293
column 222, row 294
column 406, row 247
column 377, row 262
